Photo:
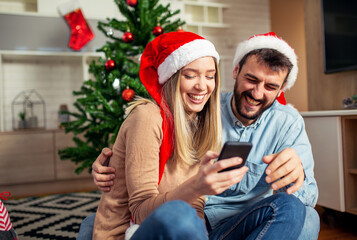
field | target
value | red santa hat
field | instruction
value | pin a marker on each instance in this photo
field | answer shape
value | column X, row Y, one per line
column 272, row 41
column 161, row 59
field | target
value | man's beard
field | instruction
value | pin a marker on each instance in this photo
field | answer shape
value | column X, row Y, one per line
column 237, row 99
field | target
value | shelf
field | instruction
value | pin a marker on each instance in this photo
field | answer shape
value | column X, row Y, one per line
column 349, row 128
column 207, row 24
column 199, row 15
column 92, row 9
column 18, row 55
column 352, row 171
column 54, row 75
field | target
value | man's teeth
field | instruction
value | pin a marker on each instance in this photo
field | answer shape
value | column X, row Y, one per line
column 252, row 102
column 196, row 97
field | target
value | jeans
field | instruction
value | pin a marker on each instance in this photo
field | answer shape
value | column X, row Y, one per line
column 280, row 216
column 311, row 228
column 309, row 232
column 86, row 228
column 174, row 220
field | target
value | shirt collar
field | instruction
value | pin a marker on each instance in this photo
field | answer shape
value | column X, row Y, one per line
column 234, row 119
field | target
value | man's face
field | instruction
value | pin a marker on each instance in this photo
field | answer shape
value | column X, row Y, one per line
column 255, row 89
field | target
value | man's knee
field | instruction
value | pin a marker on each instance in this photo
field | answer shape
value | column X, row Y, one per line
column 311, row 228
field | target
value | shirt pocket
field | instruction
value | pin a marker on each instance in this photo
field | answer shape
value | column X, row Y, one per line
column 249, row 181
column 252, row 178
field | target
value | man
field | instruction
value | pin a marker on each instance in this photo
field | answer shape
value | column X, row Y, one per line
column 281, row 158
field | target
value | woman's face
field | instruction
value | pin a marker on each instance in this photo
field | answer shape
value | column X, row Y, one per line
column 197, row 84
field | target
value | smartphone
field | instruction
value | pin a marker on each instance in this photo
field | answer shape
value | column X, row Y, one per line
column 235, row 149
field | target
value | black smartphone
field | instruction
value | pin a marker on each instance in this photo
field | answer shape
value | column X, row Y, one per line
column 235, row 149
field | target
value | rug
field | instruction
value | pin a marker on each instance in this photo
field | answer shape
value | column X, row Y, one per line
column 55, row 217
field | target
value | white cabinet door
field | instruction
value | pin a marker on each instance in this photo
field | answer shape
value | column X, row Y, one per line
column 326, row 141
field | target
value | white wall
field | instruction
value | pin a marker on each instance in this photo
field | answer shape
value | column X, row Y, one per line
column 246, row 18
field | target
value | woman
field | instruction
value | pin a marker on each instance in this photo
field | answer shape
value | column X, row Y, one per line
column 161, row 143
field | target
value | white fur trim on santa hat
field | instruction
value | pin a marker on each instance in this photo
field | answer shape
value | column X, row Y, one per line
column 131, row 230
column 184, row 55
column 271, row 42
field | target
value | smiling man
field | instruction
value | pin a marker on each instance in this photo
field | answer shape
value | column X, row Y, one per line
column 281, row 159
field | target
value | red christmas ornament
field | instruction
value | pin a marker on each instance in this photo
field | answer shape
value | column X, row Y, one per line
column 110, row 65
column 128, row 94
column 132, row 3
column 180, row 29
column 158, row 30
column 128, row 37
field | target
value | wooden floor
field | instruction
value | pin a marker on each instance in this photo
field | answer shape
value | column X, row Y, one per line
column 336, row 225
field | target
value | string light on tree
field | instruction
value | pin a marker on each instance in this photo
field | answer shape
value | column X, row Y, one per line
column 116, row 84
column 128, row 94
column 110, row 32
column 110, row 65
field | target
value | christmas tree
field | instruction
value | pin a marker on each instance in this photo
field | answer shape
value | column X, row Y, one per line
column 101, row 101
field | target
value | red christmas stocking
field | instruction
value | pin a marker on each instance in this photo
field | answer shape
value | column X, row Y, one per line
column 81, row 33
column 6, row 230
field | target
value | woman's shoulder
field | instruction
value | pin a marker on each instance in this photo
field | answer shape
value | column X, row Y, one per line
column 145, row 108
column 144, row 111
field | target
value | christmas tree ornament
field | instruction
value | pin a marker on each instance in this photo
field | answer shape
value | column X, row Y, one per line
column 128, row 94
column 110, row 32
column 180, row 29
column 116, row 84
column 110, row 65
column 81, row 33
column 158, row 30
column 132, row 3
column 128, row 37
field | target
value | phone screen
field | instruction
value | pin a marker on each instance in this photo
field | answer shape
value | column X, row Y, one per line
column 235, row 149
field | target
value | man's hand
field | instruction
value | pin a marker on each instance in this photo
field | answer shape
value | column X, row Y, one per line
column 284, row 168
column 103, row 176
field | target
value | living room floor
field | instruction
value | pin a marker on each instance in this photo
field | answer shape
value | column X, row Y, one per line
column 336, row 225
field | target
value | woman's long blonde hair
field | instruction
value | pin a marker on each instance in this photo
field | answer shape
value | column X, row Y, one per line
column 193, row 137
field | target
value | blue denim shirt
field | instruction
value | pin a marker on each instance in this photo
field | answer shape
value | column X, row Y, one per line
column 279, row 127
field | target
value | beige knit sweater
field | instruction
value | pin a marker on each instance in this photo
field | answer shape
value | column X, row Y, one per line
column 136, row 159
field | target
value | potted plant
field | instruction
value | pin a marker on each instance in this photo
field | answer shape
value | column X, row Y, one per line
column 22, row 121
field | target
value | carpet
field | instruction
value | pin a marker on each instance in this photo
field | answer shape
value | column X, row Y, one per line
column 52, row 217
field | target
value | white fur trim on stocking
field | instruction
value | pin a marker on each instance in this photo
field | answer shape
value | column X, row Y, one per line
column 68, row 7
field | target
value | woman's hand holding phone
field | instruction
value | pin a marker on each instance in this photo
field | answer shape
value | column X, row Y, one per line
column 211, row 181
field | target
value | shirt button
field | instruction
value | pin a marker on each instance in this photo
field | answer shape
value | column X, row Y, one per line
column 206, row 199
